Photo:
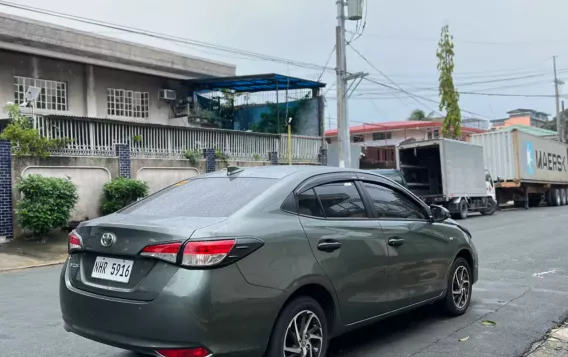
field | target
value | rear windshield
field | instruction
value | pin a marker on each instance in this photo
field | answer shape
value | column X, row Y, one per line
column 209, row 197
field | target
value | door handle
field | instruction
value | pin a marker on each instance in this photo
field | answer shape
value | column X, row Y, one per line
column 396, row 242
column 328, row 245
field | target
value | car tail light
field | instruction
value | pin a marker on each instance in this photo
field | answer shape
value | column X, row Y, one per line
column 206, row 253
column 167, row 252
column 193, row 352
column 75, row 242
column 203, row 254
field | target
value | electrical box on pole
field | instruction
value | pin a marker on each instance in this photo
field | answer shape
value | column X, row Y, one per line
column 355, row 9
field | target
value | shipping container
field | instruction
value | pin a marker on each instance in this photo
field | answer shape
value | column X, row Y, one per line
column 529, row 170
column 515, row 156
column 447, row 172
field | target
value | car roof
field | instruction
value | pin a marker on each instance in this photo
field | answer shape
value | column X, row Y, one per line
column 385, row 171
column 280, row 172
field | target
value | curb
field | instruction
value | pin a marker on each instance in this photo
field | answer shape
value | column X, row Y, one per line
column 52, row 263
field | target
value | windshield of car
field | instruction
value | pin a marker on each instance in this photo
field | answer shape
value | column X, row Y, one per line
column 208, row 197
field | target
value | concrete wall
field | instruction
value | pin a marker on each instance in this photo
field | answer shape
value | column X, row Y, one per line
column 159, row 174
column 48, row 39
column 14, row 64
column 89, row 174
column 87, row 86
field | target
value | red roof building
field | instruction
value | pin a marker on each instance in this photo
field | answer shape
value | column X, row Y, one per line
column 378, row 140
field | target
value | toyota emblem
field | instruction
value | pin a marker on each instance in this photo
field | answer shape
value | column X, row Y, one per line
column 108, row 239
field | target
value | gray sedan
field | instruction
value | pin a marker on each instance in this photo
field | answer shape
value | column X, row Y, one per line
column 268, row 261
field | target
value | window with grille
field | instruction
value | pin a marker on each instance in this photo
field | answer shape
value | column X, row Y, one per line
column 383, row 135
column 127, row 103
column 358, row 139
column 53, row 94
column 433, row 134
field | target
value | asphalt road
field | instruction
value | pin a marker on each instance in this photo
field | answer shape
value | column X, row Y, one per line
column 514, row 245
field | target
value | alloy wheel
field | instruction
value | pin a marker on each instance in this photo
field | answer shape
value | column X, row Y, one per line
column 461, row 287
column 304, row 336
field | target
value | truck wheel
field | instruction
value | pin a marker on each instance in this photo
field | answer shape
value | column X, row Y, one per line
column 519, row 204
column 463, row 209
column 563, row 196
column 491, row 208
column 556, row 197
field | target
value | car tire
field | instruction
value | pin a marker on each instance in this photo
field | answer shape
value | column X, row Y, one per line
column 283, row 333
column 451, row 305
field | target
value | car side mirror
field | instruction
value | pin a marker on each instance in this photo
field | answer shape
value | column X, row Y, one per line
column 439, row 213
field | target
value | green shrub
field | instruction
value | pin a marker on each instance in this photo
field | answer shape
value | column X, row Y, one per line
column 46, row 203
column 193, row 156
column 221, row 156
column 120, row 192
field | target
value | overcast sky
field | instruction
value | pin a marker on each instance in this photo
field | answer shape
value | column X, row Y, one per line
column 496, row 42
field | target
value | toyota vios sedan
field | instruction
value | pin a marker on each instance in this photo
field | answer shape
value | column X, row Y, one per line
column 268, row 261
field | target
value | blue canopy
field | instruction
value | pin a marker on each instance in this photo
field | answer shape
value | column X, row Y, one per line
column 254, row 83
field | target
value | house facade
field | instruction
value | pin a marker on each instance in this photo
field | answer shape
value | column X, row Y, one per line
column 526, row 117
column 86, row 75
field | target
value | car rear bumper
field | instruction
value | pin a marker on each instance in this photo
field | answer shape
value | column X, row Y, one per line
column 216, row 309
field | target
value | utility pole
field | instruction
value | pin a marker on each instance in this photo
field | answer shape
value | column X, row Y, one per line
column 557, row 95
column 341, row 69
column 343, row 134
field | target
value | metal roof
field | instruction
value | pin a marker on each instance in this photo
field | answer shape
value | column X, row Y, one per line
column 397, row 125
column 253, row 83
column 532, row 130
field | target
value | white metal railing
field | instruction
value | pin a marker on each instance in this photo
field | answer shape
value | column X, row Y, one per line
column 98, row 138
column 304, row 148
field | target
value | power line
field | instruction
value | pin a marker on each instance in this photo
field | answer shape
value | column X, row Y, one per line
column 327, row 62
column 471, row 42
column 412, row 95
column 390, row 80
column 509, row 79
column 167, row 37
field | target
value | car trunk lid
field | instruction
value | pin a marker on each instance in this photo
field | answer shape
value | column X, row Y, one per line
column 138, row 278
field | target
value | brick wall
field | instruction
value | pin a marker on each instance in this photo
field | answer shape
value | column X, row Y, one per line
column 6, row 220
column 209, row 155
column 123, row 153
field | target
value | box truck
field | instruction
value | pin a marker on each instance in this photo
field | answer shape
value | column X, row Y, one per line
column 529, row 170
column 449, row 173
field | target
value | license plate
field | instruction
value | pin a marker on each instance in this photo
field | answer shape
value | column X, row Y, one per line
column 112, row 269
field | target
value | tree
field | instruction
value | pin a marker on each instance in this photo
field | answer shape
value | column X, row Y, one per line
column 274, row 121
column 419, row 115
column 25, row 140
column 449, row 97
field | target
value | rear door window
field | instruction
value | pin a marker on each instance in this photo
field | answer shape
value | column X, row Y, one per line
column 309, row 204
column 209, row 197
column 341, row 200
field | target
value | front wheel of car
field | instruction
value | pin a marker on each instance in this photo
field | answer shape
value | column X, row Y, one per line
column 460, row 282
column 300, row 330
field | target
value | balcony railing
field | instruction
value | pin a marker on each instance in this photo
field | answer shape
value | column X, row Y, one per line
column 97, row 137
